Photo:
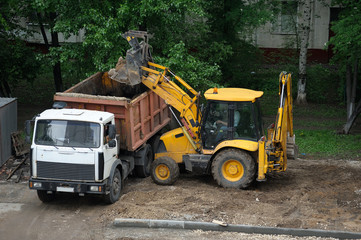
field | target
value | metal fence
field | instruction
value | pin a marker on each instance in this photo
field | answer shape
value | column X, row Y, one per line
column 8, row 124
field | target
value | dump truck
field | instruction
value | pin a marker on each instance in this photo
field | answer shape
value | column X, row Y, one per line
column 226, row 139
column 94, row 137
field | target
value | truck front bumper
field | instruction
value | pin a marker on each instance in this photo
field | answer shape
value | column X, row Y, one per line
column 67, row 186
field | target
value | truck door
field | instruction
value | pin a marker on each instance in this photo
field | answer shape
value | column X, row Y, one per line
column 109, row 152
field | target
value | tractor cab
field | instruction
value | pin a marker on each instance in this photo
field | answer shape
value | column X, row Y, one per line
column 231, row 114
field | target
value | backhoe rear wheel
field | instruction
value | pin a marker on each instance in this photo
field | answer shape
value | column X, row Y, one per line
column 233, row 168
column 165, row 171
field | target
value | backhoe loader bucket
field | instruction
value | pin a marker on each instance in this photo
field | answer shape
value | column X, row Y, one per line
column 129, row 71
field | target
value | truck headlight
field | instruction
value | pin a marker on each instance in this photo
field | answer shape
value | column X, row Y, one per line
column 37, row 185
column 95, row 188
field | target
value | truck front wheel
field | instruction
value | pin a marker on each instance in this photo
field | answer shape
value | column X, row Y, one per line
column 45, row 197
column 233, row 168
column 115, row 187
column 165, row 171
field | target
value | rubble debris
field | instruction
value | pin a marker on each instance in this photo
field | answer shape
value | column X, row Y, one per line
column 19, row 144
column 19, row 176
column 11, row 167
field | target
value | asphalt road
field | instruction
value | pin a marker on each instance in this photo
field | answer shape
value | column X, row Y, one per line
column 23, row 216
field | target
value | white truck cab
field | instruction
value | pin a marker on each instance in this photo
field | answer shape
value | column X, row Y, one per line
column 75, row 150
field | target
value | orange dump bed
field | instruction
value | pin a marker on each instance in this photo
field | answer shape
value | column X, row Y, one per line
column 137, row 116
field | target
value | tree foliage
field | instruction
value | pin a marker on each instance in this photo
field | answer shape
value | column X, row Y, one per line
column 347, row 48
column 231, row 25
column 206, row 42
column 17, row 61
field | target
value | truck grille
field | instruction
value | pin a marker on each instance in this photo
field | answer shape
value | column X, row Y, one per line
column 65, row 171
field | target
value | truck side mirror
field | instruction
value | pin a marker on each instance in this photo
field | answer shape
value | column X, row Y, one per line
column 112, row 131
column 27, row 131
column 112, row 143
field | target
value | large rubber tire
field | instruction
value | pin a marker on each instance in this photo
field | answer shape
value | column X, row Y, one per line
column 45, row 197
column 165, row 171
column 147, row 156
column 115, row 187
column 233, row 168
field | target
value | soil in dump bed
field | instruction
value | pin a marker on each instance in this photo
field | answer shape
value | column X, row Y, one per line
column 103, row 85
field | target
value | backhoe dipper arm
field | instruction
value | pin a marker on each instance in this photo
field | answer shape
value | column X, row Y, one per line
column 273, row 152
column 284, row 121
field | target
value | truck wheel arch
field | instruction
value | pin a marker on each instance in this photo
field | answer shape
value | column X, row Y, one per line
column 143, row 160
column 117, row 164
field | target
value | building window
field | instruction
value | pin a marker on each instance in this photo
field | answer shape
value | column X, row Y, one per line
column 286, row 21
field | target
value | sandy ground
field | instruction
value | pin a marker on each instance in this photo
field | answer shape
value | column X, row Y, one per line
column 322, row 194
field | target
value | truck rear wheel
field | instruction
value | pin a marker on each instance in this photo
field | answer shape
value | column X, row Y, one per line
column 165, row 171
column 146, row 157
column 115, row 187
column 45, row 197
column 233, row 168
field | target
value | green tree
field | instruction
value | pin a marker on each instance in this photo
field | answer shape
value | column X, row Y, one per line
column 347, row 48
column 17, row 61
column 304, row 28
column 205, row 42
column 177, row 23
column 231, row 25
column 193, row 37
column 178, row 27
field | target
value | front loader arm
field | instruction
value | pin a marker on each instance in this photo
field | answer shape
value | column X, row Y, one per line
column 163, row 84
column 138, row 68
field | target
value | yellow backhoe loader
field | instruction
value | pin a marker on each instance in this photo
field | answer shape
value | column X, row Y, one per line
column 226, row 139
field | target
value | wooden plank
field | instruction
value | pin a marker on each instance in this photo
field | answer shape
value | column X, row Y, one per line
column 13, row 171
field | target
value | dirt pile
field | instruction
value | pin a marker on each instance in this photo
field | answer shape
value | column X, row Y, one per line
column 322, row 194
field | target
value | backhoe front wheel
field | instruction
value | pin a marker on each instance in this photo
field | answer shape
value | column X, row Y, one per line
column 165, row 171
column 233, row 168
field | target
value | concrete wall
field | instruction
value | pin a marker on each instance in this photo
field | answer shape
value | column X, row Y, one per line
column 266, row 37
column 38, row 38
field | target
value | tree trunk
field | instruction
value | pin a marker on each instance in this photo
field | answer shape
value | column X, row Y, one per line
column 350, row 121
column 58, row 81
column 304, row 28
column 351, row 84
column 5, row 90
column 42, row 29
column 348, row 90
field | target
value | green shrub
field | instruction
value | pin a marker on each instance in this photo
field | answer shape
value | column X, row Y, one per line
column 323, row 83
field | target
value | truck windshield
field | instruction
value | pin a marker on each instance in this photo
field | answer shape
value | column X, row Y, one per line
column 67, row 133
